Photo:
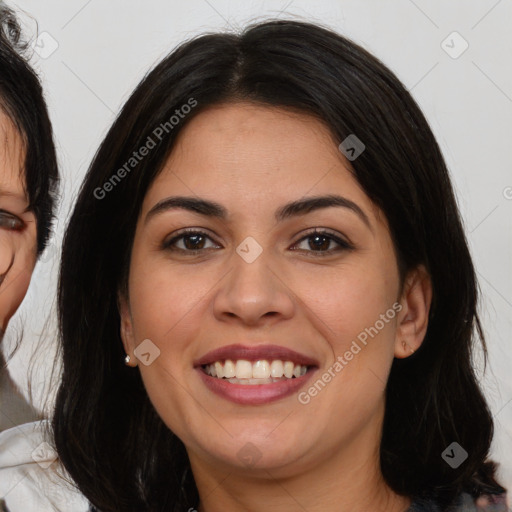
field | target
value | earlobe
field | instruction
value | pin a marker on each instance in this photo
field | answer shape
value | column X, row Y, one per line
column 413, row 318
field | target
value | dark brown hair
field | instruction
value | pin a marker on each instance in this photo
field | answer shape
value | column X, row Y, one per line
column 22, row 100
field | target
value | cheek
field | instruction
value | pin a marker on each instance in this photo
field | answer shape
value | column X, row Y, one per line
column 349, row 389
column 15, row 280
column 6, row 254
column 161, row 312
column 349, row 298
column 167, row 391
column 165, row 303
column 352, row 306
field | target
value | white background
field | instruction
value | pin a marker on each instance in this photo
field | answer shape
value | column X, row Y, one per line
column 104, row 48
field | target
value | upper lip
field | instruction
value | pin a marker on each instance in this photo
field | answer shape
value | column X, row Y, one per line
column 255, row 353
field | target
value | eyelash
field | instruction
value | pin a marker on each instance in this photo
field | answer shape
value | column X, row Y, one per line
column 4, row 215
column 343, row 245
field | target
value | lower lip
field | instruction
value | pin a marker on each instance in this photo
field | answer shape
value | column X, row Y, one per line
column 254, row 394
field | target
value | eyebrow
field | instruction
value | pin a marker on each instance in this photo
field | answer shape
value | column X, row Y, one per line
column 293, row 209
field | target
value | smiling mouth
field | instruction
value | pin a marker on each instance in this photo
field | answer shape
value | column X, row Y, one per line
column 258, row 372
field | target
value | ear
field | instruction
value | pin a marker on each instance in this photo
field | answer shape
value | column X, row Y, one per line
column 412, row 320
column 126, row 327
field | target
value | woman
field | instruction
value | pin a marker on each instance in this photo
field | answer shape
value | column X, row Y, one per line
column 269, row 239
column 29, row 178
column 28, row 187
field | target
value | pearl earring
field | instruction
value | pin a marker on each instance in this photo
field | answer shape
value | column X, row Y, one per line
column 127, row 359
column 404, row 344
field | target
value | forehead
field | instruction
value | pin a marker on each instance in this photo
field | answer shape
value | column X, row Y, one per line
column 12, row 159
column 241, row 148
column 258, row 127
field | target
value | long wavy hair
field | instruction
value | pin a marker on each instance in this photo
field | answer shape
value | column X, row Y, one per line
column 108, row 435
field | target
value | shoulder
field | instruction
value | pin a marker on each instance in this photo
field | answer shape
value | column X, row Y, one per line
column 492, row 503
column 465, row 503
column 31, row 478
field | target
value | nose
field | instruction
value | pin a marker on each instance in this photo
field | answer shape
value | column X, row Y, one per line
column 254, row 292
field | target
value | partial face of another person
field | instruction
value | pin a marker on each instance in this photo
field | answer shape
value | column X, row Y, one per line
column 18, row 246
column 252, row 292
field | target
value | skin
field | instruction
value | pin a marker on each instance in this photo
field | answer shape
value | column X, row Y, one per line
column 315, row 457
column 18, row 243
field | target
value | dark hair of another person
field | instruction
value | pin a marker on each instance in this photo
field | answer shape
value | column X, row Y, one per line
column 107, row 432
column 22, row 100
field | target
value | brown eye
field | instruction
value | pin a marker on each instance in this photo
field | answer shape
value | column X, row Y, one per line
column 191, row 241
column 10, row 221
column 319, row 242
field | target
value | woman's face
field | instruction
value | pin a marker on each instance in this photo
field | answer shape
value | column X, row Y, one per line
column 262, row 293
column 18, row 245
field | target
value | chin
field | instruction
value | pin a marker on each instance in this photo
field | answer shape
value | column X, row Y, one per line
column 256, row 452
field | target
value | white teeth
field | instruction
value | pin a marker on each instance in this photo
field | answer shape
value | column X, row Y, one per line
column 243, row 369
column 288, row 369
column 276, row 369
column 229, row 369
column 219, row 370
column 257, row 372
column 261, row 370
